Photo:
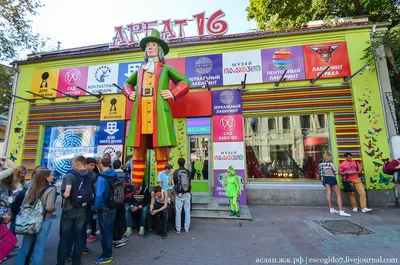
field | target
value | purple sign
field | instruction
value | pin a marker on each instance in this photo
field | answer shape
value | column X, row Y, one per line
column 200, row 69
column 198, row 126
column 220, row 180
column 227, row 101
column 276, row 61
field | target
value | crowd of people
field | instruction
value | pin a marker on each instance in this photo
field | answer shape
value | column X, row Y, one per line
column 95, row 193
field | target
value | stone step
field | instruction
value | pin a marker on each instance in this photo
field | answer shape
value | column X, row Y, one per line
column 210, row 207
column 208, row 214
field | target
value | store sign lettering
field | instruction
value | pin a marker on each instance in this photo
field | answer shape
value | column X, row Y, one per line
column 171, row 29
column 198, row 126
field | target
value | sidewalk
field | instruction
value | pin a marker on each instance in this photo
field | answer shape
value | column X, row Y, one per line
column 275, row 232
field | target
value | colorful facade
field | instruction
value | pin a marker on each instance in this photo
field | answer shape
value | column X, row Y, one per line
column 274, row 132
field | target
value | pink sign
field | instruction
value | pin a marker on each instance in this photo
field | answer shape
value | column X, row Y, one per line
column 70, row 78
column 227, row 128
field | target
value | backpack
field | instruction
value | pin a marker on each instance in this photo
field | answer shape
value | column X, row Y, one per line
column 82, row 192
column 29, row 220
column 116, row 194
column 183, row 181
column 17, row 202
column 122, row 176
column 389, row 168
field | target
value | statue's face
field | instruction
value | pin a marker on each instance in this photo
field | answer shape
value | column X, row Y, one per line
column 152, row 49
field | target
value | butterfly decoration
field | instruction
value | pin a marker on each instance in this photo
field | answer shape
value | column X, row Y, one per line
column 377, row 164
column 371, row 154
column 375, row 122
column 363, row 105
column 374, row 139
column 377, row 130
column 366, row 101
column 379, row 155
column 359, row 99
column 377, row 169
column 372, row 180
column 369, row 116
column 12, row 157
column 384, row 160
column 383, row 179
column 181, row 155
column 19, row 123
column 377, row 150
column 180, row 129
column 367, row 137
column 371, row 132
column 367, row 110
column 369, row 146
column 21, row 137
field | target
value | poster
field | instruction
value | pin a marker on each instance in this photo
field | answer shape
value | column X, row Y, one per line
column 110, row 149
column 227, row 101
column 276, row 61
column 101, row 79
column 113, row 107
column 126, row 70
column 318, row 56
column 43, row 82
column 220, row 180
column 198, row 126
column 61, row 144
column 112, row 132
column 70, row 78
column 228, row 154
column 200, row 69
column 237, row 64
column 228, row 128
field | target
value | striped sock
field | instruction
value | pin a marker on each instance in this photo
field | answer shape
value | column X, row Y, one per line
column 139, row 169
column 161, row 165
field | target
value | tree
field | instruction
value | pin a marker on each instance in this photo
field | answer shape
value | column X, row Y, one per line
column 6, row 78
column 16, row 28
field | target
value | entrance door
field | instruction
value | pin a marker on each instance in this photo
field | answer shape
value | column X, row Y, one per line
column 199, row 151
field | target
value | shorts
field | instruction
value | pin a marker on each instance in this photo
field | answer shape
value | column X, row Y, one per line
column 331, row 181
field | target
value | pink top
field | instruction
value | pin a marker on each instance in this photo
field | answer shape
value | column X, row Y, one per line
column 352, row 166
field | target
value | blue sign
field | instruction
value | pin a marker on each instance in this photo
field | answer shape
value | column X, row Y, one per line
column 198, row 126
column 200, row 69
column 111, row 132
column 126, row 70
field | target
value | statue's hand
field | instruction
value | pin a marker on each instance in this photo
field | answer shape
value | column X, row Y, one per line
column 132, row 96
column 166, row 94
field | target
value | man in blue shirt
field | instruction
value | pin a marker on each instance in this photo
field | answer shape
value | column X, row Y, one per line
column 165, row 182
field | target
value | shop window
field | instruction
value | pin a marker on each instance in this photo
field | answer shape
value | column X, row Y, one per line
column 292, row 154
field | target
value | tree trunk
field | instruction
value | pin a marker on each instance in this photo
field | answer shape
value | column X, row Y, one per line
column 391, row 61
column 359, row 8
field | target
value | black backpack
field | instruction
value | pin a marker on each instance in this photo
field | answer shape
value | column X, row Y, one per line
column 183, row 184
column 17, row 202
column 82, row 192
column 116, row 194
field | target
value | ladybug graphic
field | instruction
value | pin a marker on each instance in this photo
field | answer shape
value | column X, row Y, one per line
column 325, row 52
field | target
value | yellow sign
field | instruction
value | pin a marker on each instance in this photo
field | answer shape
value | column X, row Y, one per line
column 43, row 82
column 113, row 107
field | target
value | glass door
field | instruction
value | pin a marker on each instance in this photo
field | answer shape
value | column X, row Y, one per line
column 199, row 151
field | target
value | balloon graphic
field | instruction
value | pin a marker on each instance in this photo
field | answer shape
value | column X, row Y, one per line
column 282, row 58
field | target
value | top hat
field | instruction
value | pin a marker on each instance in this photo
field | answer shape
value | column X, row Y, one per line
column 154, row 37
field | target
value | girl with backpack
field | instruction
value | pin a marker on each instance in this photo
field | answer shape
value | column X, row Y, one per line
column 39, row 190
column 7, row 183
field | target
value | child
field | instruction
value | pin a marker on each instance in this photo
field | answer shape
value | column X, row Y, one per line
column 233, row 190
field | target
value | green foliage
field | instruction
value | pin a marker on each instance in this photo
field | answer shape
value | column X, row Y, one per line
column 6, row 78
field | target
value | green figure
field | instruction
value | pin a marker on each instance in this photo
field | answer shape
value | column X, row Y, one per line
column 233, row 190
column 198, row 167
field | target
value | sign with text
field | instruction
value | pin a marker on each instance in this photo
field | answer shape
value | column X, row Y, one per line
column 220, row 180
column 228, row 154
column 228, row 128
column 113, row 107
column 276, row 61
column 200, row 69
column 126, row 70
column 43, row 82
column 101, row 79
column 109, row 149
column 112, row 132
column 227, row 101
column 318, row 56
column 237, row 64
column 198, row 126
column 70, row 78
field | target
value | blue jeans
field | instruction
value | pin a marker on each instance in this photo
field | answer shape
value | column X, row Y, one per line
column 143, row 214
column 128, row 215
column 106, row 221
column 72, row 227
column 39, row 240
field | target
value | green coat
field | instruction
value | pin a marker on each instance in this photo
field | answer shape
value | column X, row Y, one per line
column 163, row 131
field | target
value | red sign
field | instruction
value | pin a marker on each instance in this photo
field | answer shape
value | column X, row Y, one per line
column 179, row 64
column 70, row 78
column 318, row 56
column 171, row 29
column 193, row 104
column 227, row 128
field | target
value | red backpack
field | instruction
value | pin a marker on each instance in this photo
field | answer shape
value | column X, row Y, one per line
column 389, row 167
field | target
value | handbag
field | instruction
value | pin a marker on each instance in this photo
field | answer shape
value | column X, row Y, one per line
column 7, row 241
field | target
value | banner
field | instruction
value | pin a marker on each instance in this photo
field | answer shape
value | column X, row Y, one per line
column 276, row 61
column 318, row 56
column 112, row 132
column 198, row 126
column 178, row 64
column 227, row 101
column 70, row 78
column 200, row 69
column 228, row 128
column 113, row 107
column 229, row 154
column 101, row 78
column 237, row 64
column 43, row 82
column 109, row 149
column 125, row 70
column 220, row 177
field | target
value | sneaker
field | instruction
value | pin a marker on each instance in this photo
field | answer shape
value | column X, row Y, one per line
column 121, row 243
column 148, row 234
column 86, row 251
column 98, row 232
column 128, row 232
column 91, row 239
column 103, row 260
column 332, row 210
column 355, row 210
column 232, row 213
column 89, row 231
column 16, row 248
column 178, row 232
column 141, row 231
column 68, row 259
column 164, row 235
column 237, row 214
column 187, row 231
column 366, row 210
column 342, row 213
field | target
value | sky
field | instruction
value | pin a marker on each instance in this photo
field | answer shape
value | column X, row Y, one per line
column 77, row 23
